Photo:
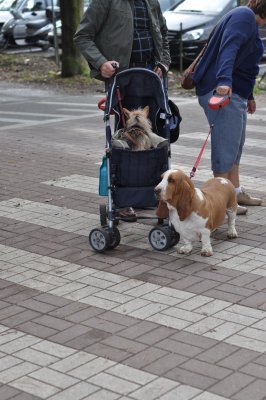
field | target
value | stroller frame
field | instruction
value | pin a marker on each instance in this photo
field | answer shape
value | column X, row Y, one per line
column 108, row 236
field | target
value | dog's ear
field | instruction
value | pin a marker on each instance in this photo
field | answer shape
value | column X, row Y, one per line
column 162, row 210
column 146, row 110
column 126, row 112
column 184, row 200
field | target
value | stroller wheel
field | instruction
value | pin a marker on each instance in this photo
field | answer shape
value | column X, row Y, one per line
column 103, row 215
column 115, row 238
column 99, row 239
column 161, row 238
column 175, row 237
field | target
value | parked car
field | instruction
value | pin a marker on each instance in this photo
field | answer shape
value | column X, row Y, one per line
column 191, row 22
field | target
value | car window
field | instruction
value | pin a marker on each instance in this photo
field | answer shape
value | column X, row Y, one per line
column 202, row 6
column 34, row 5
column 166, row 4
column 6, row 5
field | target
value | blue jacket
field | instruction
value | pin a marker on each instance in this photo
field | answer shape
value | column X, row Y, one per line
column 232, row 56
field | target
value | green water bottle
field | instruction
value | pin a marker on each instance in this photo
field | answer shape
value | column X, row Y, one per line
column 103, row 179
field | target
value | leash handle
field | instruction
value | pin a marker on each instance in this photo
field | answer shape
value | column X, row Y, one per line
column 194, row 169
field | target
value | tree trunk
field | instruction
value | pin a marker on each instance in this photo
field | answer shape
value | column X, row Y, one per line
column 73, row 62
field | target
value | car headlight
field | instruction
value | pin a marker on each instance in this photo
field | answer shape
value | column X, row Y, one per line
column 196, row 34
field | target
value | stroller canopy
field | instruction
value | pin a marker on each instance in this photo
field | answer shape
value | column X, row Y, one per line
column 138, row 87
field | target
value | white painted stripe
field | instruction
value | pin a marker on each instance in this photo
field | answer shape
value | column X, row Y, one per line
column 22, row 120
column 43, row 369
column 178, row 309
column 69, row 104
column 76, row 182
column 33, row 114
column 250, row 142
column 256, row 117
column 182, row 151
column 255, row 128
column 51, row 121
column 184, row 100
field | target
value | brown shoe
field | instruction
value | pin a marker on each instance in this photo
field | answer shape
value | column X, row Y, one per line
column 245, row 199
column 127, row 214
column 241, row 210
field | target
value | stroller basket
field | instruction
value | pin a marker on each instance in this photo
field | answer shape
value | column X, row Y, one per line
column 134, row 175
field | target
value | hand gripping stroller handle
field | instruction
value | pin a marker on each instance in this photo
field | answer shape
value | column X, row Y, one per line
column 164, row 72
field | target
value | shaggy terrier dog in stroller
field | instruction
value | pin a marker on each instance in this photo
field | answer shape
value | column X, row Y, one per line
column 138, row 130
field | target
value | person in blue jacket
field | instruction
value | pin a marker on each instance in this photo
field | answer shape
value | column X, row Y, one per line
column 229, row 66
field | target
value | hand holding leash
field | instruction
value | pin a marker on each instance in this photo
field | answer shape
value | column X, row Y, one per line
column 220, row 98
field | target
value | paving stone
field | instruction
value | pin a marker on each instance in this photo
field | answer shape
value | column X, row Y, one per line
column 103, row 325
column 7, row 392
column 207, row 369
column 255, row 390
column 53, row 378
column 258, row 371
column 189, row 378
column 51, row 322
column 25, row 396
column 81, row 337
column 218, row 352
column 256, row 301
column 69, row 333
column 39, row 306
column 124, row 344
column 77, row 392
column 232, row 384
column 86, row 314
column 144, row 358
column 34, row 387
column 179, row 348
column 165, row 364
column 36, row 329
column 113, row 383
column 108, row 352
column 156, row 335
column 238, row 359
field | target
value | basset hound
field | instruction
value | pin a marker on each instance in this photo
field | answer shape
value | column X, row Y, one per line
column 193, row 212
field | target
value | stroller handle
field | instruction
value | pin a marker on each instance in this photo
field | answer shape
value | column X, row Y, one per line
column 164, row 72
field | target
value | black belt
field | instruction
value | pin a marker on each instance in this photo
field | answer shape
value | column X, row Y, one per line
column 144, row 64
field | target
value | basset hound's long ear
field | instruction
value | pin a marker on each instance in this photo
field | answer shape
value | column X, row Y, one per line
column 183, row 198
column 162, row 210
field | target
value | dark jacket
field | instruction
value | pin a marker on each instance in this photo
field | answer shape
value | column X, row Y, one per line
column 232, row 55
column 106, row 33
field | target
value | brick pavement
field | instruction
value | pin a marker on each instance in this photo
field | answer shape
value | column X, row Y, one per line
column 131, row 323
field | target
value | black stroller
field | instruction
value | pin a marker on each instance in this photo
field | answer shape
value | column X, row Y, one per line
column 133, row 175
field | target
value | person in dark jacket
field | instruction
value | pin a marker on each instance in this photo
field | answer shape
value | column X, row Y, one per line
column 229, row 67
column 123, row 34
column 127, row 33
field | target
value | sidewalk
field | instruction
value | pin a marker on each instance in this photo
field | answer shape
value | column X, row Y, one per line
column 132, row 323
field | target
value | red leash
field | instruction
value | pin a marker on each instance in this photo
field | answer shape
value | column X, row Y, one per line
column 192, row 173
column 120, row 107
column 216, row 102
